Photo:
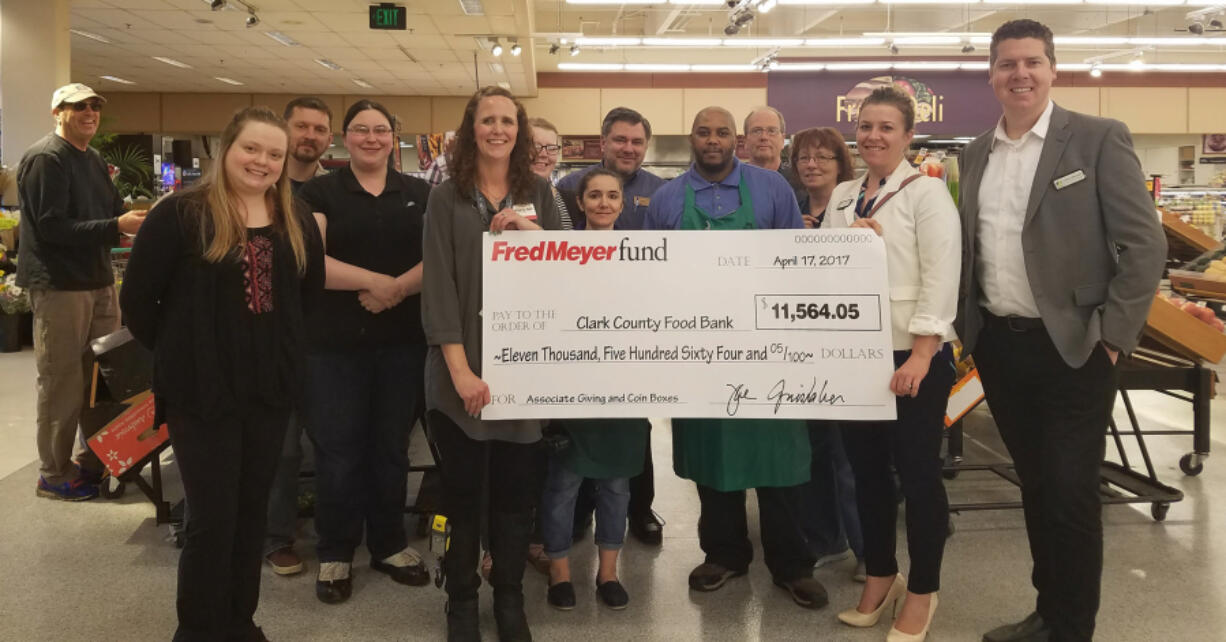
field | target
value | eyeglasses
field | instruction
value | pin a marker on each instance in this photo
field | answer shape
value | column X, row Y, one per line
column 758, row 131
column 552, row 149
column 363, row 131
column 92, row 105
column 820, row 158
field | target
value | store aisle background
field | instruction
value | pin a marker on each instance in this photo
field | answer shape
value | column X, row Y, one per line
column 103, row 570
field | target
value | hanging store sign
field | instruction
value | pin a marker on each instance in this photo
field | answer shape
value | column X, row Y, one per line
column 949, row 103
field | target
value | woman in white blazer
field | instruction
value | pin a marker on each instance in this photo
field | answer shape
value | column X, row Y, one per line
column 918, row 221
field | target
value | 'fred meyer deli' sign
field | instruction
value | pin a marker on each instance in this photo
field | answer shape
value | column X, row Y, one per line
column 950, row 103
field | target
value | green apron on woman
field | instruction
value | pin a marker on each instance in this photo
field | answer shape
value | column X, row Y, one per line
column 736, row 454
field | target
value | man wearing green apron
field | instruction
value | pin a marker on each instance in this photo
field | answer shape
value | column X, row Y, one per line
column 726, row 457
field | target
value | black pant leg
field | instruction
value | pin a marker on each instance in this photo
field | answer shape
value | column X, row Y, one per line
column 463, row 465
column 915, row 444
column 204, row 597
column 264, row 431
column 722, row 530
column 1054, row 427
column 643, row 485
column 867, row 446
column 784, row 549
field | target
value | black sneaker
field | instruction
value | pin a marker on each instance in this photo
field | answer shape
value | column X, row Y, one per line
column 613, row 594
column 709, row 577
column 561, row 596
column 806, row 592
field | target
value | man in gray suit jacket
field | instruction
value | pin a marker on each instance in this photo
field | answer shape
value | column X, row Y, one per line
column 1062, row 253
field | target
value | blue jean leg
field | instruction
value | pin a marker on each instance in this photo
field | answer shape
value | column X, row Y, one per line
column 337, row 411
column 557, row 510
column 612, row 505
column 283, row 500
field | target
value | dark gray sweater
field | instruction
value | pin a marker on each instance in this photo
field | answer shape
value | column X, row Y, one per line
column 68, row 217
column 451, row 301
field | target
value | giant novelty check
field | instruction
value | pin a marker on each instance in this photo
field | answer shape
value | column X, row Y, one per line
column 749, row 324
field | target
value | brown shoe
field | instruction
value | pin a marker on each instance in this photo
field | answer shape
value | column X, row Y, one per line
column 538, row 559
column 284, row 561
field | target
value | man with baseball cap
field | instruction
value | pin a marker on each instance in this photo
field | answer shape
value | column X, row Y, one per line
column 71, row 215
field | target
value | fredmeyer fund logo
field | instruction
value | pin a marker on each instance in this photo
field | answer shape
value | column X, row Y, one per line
column 929, row 106
column 580, row 253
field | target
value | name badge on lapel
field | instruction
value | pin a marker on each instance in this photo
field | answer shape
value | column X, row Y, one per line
column 844, row 204
column 1069, row 179
column 527, row 210
column 642, row 201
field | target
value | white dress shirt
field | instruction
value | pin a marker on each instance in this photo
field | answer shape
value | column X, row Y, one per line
column 1003, row 196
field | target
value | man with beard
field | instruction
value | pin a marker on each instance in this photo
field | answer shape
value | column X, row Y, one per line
column 624, row 135
column 310, row 135
column 727, row 456
column 71, row 217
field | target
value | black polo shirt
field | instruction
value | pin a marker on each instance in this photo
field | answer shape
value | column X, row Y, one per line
column 379, row 233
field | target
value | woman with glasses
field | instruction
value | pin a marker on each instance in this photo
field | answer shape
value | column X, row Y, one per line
column 548, row 148
column 829, row 520
column 366, row 354
column 821, row 161
column 487, row 466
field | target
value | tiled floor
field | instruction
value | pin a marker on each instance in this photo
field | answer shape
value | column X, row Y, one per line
column 103, row 570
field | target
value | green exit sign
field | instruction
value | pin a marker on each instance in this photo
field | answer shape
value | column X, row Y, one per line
column 388, row 16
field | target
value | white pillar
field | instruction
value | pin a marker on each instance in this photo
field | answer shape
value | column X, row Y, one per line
column 35, row 59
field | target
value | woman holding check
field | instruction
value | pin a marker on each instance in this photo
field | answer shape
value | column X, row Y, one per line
column 492, row 188
column 919, row 224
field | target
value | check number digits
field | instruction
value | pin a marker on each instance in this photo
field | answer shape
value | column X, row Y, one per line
column 818, row 312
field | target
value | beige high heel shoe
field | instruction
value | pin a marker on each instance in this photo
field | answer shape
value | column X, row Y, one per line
column 898, row 636
column 853, row 617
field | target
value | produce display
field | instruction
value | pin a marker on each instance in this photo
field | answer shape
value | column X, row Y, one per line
column 1210, row 265
column 1198, row 310
column 1205, row 210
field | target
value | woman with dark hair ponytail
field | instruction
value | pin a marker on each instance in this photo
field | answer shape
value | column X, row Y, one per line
column 215, row 287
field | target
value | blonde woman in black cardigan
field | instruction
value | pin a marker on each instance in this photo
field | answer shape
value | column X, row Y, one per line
column 215, row 287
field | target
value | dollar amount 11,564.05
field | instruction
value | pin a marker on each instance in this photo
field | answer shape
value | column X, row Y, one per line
column 818, row 312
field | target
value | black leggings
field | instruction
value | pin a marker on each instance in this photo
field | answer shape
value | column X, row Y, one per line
column 912, row 443
column 468, row 467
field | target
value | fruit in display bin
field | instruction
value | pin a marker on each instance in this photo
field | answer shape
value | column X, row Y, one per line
column 1198, row 310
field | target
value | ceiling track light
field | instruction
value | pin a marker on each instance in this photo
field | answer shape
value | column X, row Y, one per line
column 495, row 47
column 252, row 19
column 1096, row 70
column 574, row 50
column 968, row 48
column 554, row 47
column 216, row 5
column 515, row 48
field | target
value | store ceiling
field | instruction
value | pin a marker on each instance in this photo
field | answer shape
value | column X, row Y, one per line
column 435, row 56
